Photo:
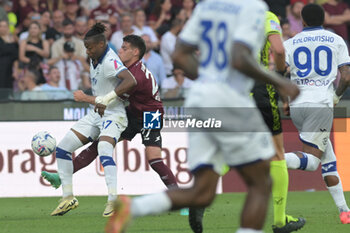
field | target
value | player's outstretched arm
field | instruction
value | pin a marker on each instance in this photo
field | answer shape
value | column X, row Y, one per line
column 185, row 58
column 344, row 82
column 128, row 82
column 244, row 61
column 80, row 96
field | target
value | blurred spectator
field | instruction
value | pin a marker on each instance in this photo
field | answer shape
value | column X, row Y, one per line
column 52, row 88
column 125, row 29
column 8, row 55
column 188, row 6
column 27, row 7
column 55, row 32
column 278, row 7
column 177, row 14
column 53, row 5
column 3, row 14
column 294, row 16
column 72, row 10
column 105, row 11
column 88, row 6
column 108, row 34
column 167, row 44
column 81, row 27
column 141, row 28
column 34, row 49
column 11, row 17
column 45, row 21
column 176, row 4
column 153, row 61
column 123, row 6
column 34, row 17
column 176, row 86
column 161, row 15
column 68, row 35
column 286, row 33
column 337, row 15
column 72, row 70
column 31, row 91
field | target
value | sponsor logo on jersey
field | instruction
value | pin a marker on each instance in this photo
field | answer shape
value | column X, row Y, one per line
column 275, row 26
column 152, row 120
column 311, row 82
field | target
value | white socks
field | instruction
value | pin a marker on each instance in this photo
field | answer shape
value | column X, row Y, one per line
column 309, row 162
column 105, row 152
column 338, row 196
column 248, row 230
column 150, row 204
column 64, row 161
column 329, row 168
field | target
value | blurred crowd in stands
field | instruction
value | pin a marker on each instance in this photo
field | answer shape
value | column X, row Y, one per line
column 42, row 54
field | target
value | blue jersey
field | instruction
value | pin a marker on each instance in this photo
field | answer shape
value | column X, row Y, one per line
column 314, row 56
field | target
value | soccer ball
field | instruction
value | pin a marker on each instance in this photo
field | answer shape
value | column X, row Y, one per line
column 43, row 144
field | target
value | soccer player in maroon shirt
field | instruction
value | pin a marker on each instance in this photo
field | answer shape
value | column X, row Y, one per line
column 143, row 97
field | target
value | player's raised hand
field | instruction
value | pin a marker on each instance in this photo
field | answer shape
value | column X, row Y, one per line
column 100, row 108
column 79, row 96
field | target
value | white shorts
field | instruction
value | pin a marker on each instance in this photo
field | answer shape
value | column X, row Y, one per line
column 92, row 126
column 250, row 143
column 314, row 123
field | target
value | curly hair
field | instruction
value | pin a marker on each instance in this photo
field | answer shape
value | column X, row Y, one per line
column 96, row 33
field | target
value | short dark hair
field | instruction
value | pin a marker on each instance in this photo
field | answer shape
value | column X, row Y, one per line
column 67, row 22
column 313, row 15
column 96, row 33
column 52, row 68
column 137, row 42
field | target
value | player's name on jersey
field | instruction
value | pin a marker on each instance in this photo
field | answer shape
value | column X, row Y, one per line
column 329, row 39
column 230, row 8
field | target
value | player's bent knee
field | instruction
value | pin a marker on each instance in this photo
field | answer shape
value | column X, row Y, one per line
column 70, row 142
column 110, row 140
column 105, row 148
column 313, row 163
column 205, row 198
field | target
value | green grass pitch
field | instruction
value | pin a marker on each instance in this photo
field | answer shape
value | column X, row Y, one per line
column 32, row 215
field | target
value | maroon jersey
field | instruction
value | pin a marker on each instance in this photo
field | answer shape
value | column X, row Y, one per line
column 145, row 96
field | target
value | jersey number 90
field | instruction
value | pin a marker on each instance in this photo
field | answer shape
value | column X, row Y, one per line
column 306, row 68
